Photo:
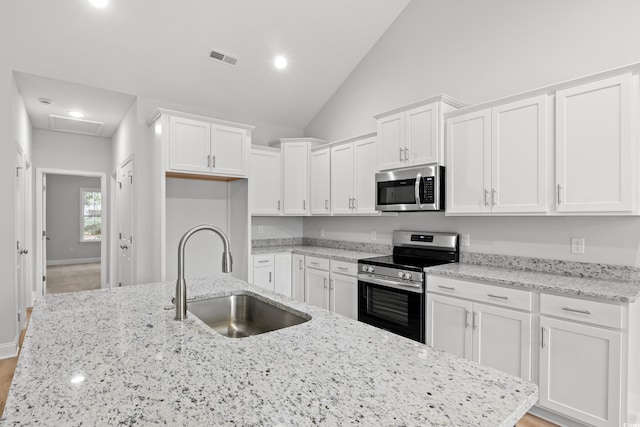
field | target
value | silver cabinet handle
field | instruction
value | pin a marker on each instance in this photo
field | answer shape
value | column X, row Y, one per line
column 486, row 195
column 332, row 284
column 573, row 310
column 349, row 202
column 213, row 161
column 401, row 151
column 474, row 320
column 493, row 197
column 313, row 263
column 466, row 318
column 406, row 154
column 326, row 203
column 497, row 296
column 278, row 204
column 448, row 288
column 325, row 282
column 269, row 277
column 262, row 261
column 304, row 205
column 355, row 203
column 300, row 261
column 343, row 268
column 208, row 160
column 559, row 190
column 542, row 337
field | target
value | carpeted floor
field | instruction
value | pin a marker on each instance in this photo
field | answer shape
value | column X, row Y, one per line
column 73, row 278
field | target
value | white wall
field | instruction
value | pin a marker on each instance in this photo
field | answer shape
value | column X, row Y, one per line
column 276, row 227
column 478, row 51
column 63, row 219
column 69, row 151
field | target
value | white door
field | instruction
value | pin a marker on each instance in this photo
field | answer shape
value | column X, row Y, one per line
column 21, row 249
column 391, row 137
column 317, row 287
column 342, row 179
column 320, row 181
column 228, row 150
column 263, row 276
column 594, row 141
column 297, row 277
column 282, row 273
column 580, row 371
column 364, row 188
column 449, row 325
column 189, row 145
column 469, row 163
column 296, row 178
column 344, row 295
column 502, row 339
column 125, row 224
column 44, row 237
column 266, row 182
column 519, row 141
column 422, row 140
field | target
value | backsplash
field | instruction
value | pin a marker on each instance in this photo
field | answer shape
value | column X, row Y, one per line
column 554, row 266
column 325, row 243
column 263, row 243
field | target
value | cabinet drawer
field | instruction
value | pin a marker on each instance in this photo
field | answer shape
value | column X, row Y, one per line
column 347, row 268
column 262, row 260
column 497, row 295
column 595, row 312
column 316, row 262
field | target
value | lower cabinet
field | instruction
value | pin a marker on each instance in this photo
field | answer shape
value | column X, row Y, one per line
column 332, row 285
column 297, row 277
column 273, row 272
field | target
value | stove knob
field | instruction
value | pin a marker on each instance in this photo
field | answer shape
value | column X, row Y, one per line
column 407, row 275
column 371, row 269
column 401, row 274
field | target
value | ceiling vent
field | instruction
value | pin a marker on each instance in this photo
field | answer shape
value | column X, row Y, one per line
column 67, row 124
column 225, row 58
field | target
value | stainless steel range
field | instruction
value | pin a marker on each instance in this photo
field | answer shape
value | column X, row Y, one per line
column 391, row 288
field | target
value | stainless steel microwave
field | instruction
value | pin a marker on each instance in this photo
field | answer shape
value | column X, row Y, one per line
column 411, row 189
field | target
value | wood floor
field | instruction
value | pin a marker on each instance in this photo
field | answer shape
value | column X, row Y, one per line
column 8, row 366
column 73, row 278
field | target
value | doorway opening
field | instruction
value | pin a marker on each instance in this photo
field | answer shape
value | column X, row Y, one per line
column 71, row 217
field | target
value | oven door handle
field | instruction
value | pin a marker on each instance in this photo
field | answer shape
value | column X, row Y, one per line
column 417, row 189
column 416, row 288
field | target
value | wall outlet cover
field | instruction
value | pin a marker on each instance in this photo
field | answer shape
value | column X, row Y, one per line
column 260, row 229
column 465, row 240
column 322, row 232
column 577, row 245
column 374, row 235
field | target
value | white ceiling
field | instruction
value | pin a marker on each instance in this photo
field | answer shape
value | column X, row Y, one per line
column 159, row 49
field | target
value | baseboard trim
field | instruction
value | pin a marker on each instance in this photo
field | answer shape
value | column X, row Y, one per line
column 73, row 261
column 554, row 417
column 10, row 349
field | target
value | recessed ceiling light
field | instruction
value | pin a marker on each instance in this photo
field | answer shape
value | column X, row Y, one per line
column 76, row 114
column 100, row 4
column 280, row 62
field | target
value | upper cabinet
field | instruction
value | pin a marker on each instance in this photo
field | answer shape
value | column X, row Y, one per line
column 320, row 181
column 497, row 159
column 296, row 154
column 596, row 145
column 204, row 146
column 413, row 134
column 266, row 181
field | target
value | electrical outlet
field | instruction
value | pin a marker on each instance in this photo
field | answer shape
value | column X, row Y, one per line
column 261, row 229
column 465, row 240
column 374, row 235
column 577, row 245
column 322, row 232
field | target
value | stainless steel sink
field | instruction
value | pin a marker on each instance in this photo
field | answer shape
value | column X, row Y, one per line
column 244, row 314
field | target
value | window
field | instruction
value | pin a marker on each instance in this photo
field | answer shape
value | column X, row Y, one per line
column 90, row 215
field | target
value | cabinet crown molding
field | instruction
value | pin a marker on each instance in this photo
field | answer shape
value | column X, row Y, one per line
column 165, row 112
column 439, row 98
column 345, row 141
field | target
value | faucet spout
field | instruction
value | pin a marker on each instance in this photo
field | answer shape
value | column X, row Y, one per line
column 181, row 284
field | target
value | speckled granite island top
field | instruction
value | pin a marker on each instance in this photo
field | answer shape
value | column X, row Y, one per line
column 117, row 357
column 320, row 251
column 599, row 288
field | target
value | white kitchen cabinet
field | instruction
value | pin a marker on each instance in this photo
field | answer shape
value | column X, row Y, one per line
column 317, row 287
column 580, row 371
column 343, row 288
column 596, row 146
column 265, row 181
column 413, row 135
column 273, row 272
column 295, row 173
column 297, row 277
column 448, row 325
column 353, row 169
column 208, row 146
column 497, row 159
column 263, row 271
column 320, row 179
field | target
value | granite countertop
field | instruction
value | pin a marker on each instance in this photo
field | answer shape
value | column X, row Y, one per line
column 320, row 251
column 600, row 288
column 117, row 357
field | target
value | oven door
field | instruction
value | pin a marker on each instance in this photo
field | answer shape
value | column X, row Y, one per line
column 397, row 309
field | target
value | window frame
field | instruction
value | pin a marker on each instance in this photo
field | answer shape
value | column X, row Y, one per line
column 82, row 216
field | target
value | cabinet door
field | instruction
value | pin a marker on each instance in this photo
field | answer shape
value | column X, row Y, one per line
column 448, row 325
column 364, row 188
column 594, row 147
column 344, row 295
column 297, row 277
column 189, row 145
column 422, row 142
column 342, row 179
column 266, row 182
column 502, row 339
column 320, row 181
column 263, row 276
column 282, row 274
column 228, row 150
column 519, row 141
column 469, row 163
column 391, row 137
column 317, row 287
column 295, row 178
column 580, row 371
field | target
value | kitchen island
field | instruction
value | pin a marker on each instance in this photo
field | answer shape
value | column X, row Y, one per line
column 118, row 357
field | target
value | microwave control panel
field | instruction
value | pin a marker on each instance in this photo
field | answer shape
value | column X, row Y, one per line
column 428, row 195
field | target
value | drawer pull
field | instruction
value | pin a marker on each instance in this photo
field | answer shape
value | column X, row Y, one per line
column 264, row 260
column 576, row 311
column 314, row 263
column 497, row 296
column 542, row 337
column 448, row 288
column 343, row 268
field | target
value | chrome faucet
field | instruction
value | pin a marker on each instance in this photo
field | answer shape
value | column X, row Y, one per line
column 181, row 284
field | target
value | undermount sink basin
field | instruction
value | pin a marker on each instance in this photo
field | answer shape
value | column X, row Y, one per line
column 243, row 315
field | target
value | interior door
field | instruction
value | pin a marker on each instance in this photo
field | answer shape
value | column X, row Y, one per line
column 125, row 224
column 44, row 234
column 20, row 239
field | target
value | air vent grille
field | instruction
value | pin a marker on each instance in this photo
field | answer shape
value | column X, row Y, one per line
column 66, row 124
column 219, row 56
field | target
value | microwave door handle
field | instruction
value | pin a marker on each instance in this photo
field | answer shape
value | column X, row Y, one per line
column 417, row 189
